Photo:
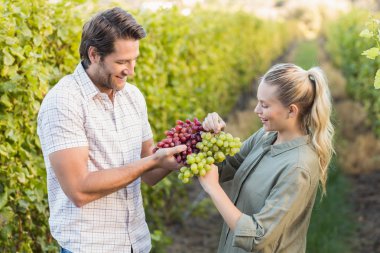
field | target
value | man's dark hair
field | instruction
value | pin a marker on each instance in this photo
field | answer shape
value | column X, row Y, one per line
column 104, row 29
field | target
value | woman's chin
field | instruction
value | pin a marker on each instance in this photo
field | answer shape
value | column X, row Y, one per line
column 267, row 128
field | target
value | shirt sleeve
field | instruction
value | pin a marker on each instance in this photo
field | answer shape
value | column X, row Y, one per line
column 61, row 123
column 228, row 167
column 287, row 198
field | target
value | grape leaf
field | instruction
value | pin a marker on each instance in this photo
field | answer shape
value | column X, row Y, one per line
column 8, row 58
column 372, row 53
column 366, row 34
column 4, row 198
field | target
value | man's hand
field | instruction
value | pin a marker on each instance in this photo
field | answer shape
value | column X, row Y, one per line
column 164, row 163
column 213, row 122
column 165, row 157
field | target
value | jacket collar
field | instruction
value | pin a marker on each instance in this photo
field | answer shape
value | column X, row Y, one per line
column 277, row 149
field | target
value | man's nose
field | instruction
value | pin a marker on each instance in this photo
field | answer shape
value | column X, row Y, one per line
column 129, row 69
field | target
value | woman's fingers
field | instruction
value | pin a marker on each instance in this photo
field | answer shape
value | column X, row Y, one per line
column 213, row 122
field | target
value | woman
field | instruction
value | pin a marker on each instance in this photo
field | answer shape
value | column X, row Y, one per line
column 266, row 192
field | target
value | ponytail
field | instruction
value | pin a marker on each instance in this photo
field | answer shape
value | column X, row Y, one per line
column 319, row 123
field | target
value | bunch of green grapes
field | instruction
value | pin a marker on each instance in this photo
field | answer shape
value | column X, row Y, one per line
column 212, row 148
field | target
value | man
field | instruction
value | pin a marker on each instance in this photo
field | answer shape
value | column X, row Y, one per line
column 97, row 144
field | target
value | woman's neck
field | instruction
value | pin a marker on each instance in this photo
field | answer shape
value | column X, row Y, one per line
column 284, row 136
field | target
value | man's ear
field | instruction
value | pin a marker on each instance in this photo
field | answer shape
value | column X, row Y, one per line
column 93, row 54
column 293, row 111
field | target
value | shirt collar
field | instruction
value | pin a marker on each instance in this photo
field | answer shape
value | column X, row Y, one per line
column 89, row 89
column 87, row 86
column 285, row 146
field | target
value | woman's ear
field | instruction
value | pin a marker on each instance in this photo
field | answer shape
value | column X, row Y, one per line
column 293, row 111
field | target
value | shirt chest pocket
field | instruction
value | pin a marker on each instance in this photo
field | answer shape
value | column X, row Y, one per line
column 130, row 134
column 115, row 132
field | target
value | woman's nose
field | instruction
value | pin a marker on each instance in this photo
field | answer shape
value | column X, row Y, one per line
column 257, row 109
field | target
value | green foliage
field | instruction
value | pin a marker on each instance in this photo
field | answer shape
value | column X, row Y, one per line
column 346, row 47
column 189, row 65
column 372, row 31
column 201, row 61
column 35, row 53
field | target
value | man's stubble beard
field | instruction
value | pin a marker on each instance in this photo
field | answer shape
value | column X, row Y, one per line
column 103, row 82
column 105, row 79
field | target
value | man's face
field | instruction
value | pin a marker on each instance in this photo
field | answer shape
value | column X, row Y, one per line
column 112, row 71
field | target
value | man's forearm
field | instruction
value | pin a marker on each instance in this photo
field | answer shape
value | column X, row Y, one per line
column 83, row 186
column 98, row 184
column 154, row 176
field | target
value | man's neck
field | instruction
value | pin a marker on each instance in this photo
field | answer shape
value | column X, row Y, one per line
column 110, row 92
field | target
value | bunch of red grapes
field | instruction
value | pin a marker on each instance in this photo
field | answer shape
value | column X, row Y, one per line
column 185, row 132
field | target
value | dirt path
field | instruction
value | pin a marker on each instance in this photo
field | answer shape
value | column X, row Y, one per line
column 366, row 193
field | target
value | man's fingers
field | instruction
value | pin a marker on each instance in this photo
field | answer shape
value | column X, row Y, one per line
column 168, row 152
column 177, row 149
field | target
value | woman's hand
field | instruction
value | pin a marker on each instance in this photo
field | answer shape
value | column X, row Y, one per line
column 210, row 181
column 213, row 122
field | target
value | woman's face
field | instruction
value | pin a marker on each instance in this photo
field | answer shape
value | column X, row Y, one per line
column 272, row 113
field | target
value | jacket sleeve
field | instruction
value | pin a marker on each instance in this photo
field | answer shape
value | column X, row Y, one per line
column 286, row 200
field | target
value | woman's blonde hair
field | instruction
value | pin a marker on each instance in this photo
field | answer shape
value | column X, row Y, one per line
column 308, row 89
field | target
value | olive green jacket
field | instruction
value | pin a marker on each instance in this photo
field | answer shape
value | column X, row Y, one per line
column 274, row 186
